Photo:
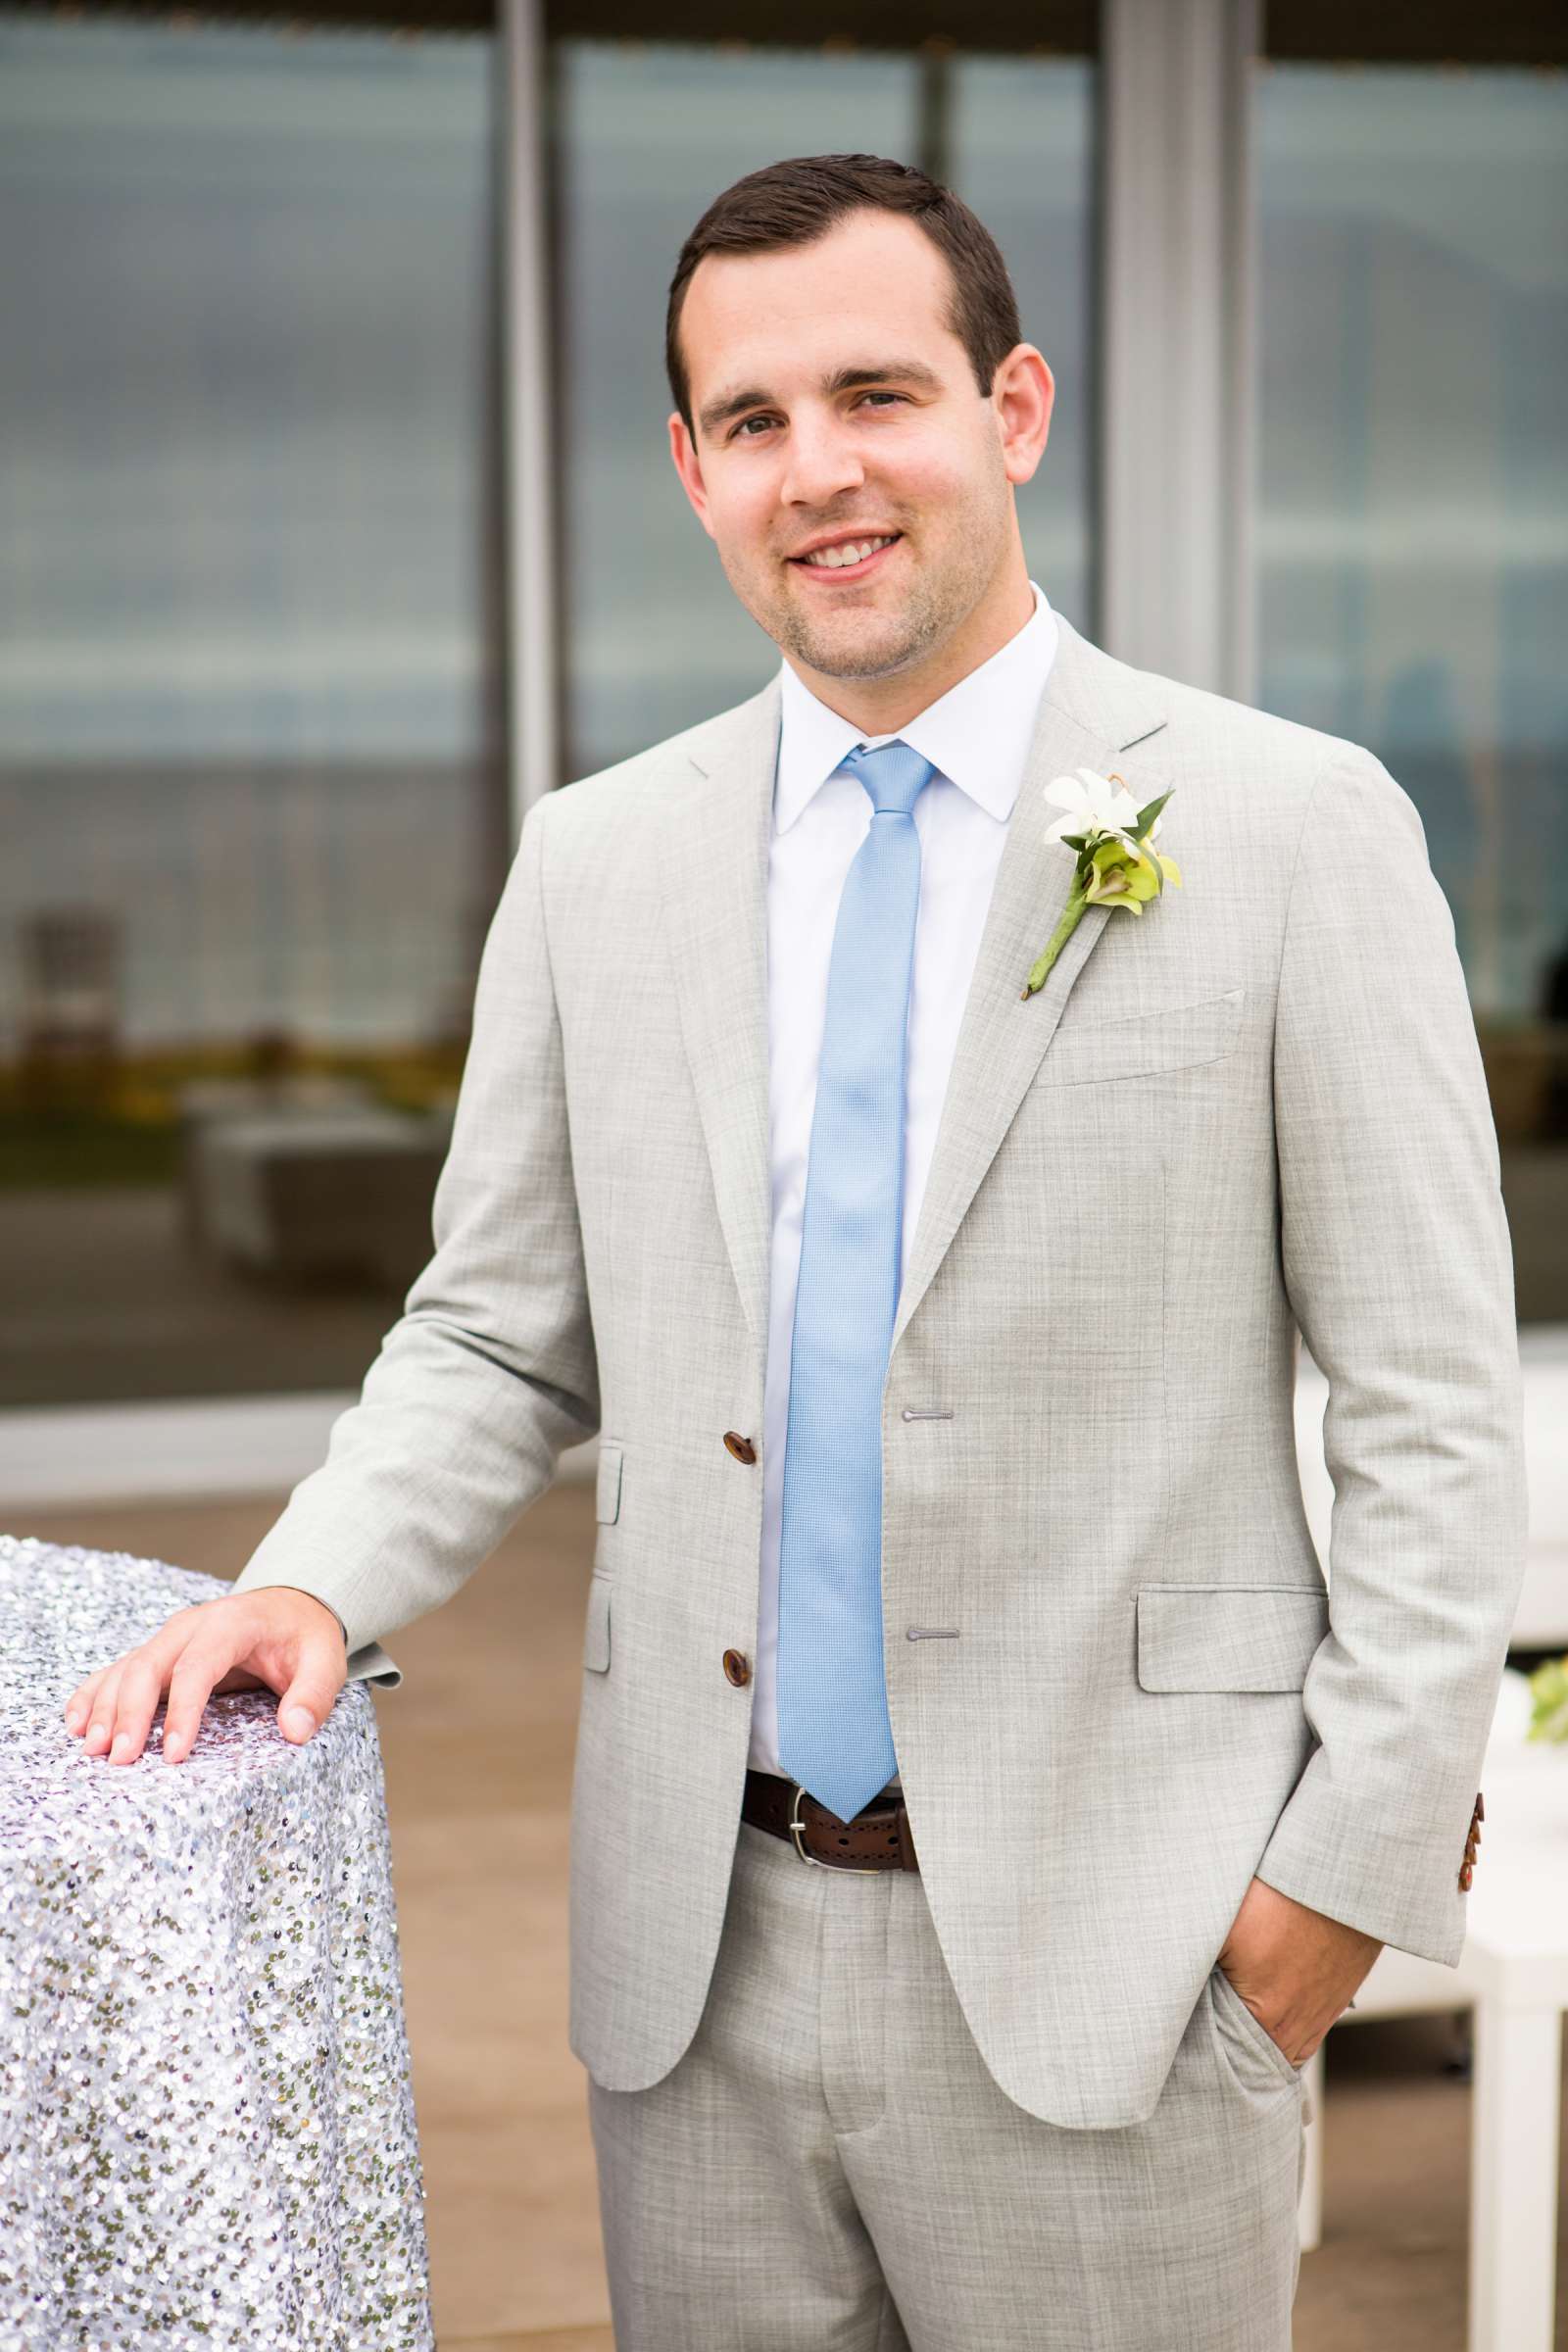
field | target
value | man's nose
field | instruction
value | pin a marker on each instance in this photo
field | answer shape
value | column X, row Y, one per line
column 822, row 463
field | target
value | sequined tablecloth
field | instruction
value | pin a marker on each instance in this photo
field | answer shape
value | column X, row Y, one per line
column 207, row 2128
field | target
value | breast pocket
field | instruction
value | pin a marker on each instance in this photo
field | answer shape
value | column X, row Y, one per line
column 1172, row 1037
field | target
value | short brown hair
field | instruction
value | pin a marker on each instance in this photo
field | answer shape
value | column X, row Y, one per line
column 799, row 200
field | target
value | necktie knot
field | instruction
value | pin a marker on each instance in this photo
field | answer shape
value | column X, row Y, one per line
column 893, row 774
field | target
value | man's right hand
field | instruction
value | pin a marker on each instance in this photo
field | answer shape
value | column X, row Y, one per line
column 275, row 1639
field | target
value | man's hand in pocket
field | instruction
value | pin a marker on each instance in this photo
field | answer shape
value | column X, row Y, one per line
column 1295, row 1968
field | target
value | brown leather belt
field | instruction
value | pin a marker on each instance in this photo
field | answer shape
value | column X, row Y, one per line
column 877, row 1838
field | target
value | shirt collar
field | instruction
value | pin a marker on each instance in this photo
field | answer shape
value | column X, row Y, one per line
column 977, row 734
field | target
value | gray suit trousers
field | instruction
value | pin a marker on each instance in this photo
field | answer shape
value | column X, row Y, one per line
column 831, row 2163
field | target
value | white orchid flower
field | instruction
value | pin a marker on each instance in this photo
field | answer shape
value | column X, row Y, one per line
column 1092, row 803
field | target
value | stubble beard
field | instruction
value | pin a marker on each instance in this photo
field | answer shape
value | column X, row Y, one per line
column 886, row 643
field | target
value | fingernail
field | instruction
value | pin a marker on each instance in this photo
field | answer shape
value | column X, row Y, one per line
column 174, row 1747
column 299, row 1722
column 121, row 1746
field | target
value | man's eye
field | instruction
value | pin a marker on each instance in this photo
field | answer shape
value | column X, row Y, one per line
column 740, row 432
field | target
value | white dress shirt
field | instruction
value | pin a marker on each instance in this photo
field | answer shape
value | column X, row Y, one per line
column 976, row 737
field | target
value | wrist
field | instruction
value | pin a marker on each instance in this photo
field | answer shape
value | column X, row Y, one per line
column 325, row 1605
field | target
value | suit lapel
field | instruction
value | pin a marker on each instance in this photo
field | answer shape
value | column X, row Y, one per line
column 714, row 845
column 1093, row 707
column 714, row 836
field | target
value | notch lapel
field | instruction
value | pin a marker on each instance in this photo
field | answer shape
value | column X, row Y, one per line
column 1094, row 710
column 714, row 836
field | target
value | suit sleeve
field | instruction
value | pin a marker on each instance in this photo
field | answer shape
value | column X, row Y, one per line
column 1397, row 1257
column 490, row 1371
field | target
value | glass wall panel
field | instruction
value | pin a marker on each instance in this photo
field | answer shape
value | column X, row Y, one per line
column 251, row 783
column 646, row 135
column 1412, row 524
column 1023, row 157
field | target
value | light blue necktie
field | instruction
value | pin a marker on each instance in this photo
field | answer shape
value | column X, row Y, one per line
column 835, row 1736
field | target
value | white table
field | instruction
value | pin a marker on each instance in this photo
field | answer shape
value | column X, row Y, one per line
column 1514, row 1972
column 303, row 1191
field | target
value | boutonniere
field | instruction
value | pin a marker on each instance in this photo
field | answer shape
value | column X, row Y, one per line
column 1117, row 863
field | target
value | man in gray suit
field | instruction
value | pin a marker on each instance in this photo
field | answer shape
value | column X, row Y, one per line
column 771, row 1127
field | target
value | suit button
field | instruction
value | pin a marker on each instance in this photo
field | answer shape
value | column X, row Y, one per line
column 738, row 1667
column 741, row 1447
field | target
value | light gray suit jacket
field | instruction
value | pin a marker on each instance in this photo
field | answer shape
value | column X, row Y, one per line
column 1257, row 1106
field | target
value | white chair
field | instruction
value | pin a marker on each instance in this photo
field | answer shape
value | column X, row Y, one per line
column 1513, row 1972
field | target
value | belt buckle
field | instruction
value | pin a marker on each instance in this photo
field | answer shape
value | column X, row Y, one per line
column 855, row 1870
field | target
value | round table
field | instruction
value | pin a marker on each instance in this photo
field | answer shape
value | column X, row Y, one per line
column 207, row 2125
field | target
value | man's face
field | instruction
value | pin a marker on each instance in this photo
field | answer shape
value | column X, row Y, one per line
column 788, row 454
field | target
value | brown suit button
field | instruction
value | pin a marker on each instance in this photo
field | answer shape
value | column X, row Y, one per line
column 738, row 1667
column 741, row 1447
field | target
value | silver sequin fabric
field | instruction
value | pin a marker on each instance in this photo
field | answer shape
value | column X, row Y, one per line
column 207, row 2125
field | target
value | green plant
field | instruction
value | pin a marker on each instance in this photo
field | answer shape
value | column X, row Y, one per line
column 1548, row 1687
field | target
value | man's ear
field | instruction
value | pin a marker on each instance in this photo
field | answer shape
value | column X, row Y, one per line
column 690, row 472
column 1023, row 394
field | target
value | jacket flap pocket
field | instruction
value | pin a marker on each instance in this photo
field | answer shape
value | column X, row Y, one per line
column 1171, row 1038
column 606, row 1488
column 1229, row 1637
column 595, row 1627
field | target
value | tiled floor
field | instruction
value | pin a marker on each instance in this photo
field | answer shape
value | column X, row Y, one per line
column 477, row 1748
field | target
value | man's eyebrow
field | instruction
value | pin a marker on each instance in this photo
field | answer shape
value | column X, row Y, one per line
column 718, row 412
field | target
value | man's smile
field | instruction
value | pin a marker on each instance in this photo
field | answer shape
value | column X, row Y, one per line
column 827, row 561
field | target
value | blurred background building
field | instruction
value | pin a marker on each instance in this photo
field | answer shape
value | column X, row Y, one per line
column 337, row 521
